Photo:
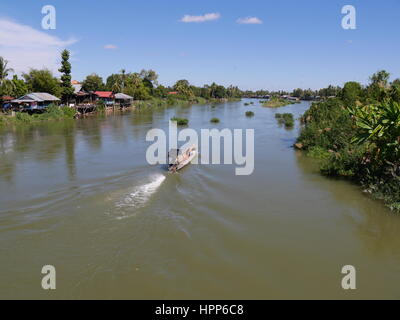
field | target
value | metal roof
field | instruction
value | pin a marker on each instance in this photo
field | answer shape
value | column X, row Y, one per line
column 104, row 94
column 37, row 97
column 122, row 96
column 77, row 87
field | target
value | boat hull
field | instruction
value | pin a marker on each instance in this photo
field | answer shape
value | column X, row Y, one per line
column 184, row 163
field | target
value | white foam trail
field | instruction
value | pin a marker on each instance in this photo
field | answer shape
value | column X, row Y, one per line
column 140, row 195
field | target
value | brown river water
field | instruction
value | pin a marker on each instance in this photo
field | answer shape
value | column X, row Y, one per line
column 80, row 196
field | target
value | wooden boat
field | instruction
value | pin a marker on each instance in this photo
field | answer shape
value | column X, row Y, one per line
column 180, row 158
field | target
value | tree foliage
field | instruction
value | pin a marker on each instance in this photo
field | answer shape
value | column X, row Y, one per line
column 93, row 82
column 42, row 81
column 66, row 88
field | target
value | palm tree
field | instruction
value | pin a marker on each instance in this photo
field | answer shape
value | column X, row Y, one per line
column 123, row 71
column 116, row 87
column 4, row 71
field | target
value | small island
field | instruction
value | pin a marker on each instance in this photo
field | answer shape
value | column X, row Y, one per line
column 277, row 102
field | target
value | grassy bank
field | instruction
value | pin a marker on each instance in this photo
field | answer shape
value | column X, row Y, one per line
column 52, row 113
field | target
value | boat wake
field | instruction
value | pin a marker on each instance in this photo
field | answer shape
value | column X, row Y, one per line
column 138, row 197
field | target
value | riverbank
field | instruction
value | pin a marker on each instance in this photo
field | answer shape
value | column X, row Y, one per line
column 346, row 147
column 55, row 113
column 52, row 113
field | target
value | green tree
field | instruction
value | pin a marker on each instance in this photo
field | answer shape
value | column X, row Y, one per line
column 183, row 88
column 380, row 125
column 149, row 78
column 19, row 87
column 380, row 78
column 136, row 88
column 351, row 93
column 160, row 92
column 5, row 84
column 114, row 83
column 66, row 88
column 4, row 70
column 93, row 82
column 123, row 78
column 395, row 90
column 298, row 93
column 42, row 81
column 378, row 88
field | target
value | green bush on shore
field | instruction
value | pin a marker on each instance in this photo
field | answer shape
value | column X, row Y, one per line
column 52, row 112
column 357, row 136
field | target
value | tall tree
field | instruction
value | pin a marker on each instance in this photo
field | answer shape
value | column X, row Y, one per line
column 149, row 77
column 66, row 88
column 123, row 78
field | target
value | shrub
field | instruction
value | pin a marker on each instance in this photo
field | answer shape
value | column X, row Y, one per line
column 23, row 117
column 328, row 125
column 286, row 119
column 318, row 153
column 180, row 121
column 100, row 105
column 249, row 114
column 214, row 120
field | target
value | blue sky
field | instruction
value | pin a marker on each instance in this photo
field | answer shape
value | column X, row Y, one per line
column 298, row 43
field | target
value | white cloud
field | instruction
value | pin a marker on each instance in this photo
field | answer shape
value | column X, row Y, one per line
column 110, row 46
column 249, row 20
column 25, row 47
column 203, row 18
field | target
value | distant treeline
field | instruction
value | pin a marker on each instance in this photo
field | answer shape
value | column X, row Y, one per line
column 303, row 94
column 141, row 85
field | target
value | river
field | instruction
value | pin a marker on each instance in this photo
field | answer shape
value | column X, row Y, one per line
column 79, row 195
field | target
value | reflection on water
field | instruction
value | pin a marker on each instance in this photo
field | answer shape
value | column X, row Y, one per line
column 79, row 195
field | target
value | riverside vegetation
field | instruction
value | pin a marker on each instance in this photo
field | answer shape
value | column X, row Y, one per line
column 285, row 119
column 276, row 102
column 53, row 112
column 180, row 121
column 357, row 136
column 143, row 86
